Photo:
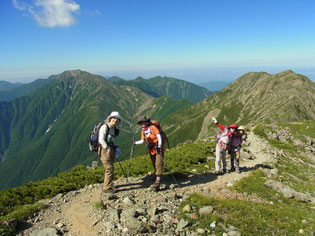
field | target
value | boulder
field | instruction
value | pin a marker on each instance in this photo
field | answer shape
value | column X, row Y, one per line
column 94, row 165
column 206, row 210
column 45, row 232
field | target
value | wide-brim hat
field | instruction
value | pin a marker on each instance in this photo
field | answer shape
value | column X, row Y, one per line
column 241, row 128
column 142, row 119
column 115, row 114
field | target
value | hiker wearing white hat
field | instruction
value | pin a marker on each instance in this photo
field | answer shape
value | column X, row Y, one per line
column 241, row 131
column 108, row 149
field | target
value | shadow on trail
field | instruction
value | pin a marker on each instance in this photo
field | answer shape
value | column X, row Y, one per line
column 255, row 167
column 192, row 179
column 178, row 179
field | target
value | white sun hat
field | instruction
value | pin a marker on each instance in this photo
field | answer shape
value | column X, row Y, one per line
column 115, row 114
column 241, row 128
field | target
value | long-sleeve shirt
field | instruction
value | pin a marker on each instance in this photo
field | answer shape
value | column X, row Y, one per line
column 111, row 137
column 223, row 127
column 152, row 136
column 220, row 126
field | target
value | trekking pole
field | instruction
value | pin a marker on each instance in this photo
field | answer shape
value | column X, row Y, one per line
column 169, row 171
column 131, row 154
column 123, row 170
column 168, row 144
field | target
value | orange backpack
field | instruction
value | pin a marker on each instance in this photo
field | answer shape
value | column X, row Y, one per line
column 158, row 126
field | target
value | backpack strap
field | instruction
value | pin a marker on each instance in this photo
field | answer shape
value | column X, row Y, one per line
column 117, row 131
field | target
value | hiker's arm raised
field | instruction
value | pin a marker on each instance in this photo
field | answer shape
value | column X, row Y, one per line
column 220, row 126
column 217, row 123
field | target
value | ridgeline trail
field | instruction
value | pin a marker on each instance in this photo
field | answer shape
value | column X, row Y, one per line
column 79, row 212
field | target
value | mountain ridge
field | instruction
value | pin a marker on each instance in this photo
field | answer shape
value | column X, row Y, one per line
column 161, row 86
column 255, row 97
column 19, row 89
column 47, row 131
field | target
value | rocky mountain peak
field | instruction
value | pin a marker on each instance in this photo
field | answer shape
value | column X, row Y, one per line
column 286, row 72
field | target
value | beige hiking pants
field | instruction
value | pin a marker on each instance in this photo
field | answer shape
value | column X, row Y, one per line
column 220, row 153
column 108, row 158
column 157, row 162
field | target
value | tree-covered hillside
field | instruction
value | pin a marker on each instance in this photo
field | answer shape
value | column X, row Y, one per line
column 166, row 86
column 47, row 132
column 10, row 91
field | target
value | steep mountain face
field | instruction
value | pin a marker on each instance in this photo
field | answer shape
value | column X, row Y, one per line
column 6, row 112
column 253, row 98
column 47, row 132
column 166, row 86
column 160, row 108
column 10, row 91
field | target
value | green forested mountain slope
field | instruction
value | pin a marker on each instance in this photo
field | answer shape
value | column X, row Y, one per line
column 256, row 97
column 47, row 132
column 4, row 85
column 18, row 90
column 161, row 86
column 6, row 113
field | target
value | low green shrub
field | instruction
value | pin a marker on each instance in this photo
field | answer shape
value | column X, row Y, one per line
column 250, row 218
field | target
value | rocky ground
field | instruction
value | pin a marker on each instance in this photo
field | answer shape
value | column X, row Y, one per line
column 138, row 210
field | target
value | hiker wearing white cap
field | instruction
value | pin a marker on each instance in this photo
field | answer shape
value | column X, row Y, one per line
column 108, row 149
column 241, row 131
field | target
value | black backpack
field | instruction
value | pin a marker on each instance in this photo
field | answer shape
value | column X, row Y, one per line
column 94, row 144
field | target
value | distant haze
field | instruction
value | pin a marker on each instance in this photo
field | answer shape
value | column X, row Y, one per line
column 196, row 42
column 195, row 75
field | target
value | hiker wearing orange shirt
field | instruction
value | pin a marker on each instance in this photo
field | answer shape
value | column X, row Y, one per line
column 152, row 135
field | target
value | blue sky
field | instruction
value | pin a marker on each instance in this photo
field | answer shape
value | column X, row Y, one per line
column 194, row 40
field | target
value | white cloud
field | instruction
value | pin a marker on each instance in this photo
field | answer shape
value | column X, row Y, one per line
column 50, row 13
column 19, row 5
column 93, row 13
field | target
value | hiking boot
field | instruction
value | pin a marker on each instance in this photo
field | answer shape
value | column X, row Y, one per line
column 155, row 186
column 110, row 190
column 232, row 169
column 224, row 171
column 218, row 173
column 108, row 195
